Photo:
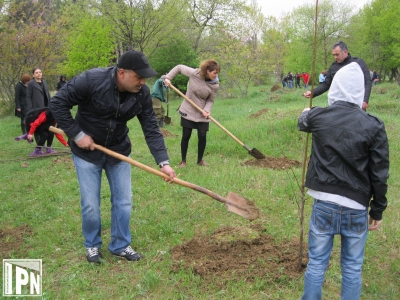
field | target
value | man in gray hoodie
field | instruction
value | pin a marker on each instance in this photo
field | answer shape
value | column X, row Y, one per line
column 349, row 165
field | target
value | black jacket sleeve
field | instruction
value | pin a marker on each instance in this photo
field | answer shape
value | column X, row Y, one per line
column 367, row 77
column 151, row 131
column 18, row 91
column 28, row 100
column 379, row 172
column 62, row 103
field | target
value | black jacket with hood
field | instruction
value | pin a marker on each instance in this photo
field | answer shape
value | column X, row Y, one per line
column 350, row 152
column 103, row 115
column 324, row 86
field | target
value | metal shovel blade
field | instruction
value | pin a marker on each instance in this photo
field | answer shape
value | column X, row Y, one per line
column 167, row 120
column 242, row 206
column 257, row 154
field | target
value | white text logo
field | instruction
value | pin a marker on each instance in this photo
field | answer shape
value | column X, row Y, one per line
column 22, row 277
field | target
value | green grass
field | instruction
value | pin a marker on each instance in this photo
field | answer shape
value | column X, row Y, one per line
column 44, row 194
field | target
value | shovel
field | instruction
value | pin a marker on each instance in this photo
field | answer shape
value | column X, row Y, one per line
column 234, row 202
column 253, row 152
column 167, row 119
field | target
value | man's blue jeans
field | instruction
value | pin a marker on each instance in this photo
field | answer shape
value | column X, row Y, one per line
column 119, row 179
column 327, row 220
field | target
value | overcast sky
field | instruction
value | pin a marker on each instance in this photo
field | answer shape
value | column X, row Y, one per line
column 277, row 7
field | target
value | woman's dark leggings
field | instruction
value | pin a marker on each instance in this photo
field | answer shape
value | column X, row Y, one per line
column 41, row 136
column 202, row 136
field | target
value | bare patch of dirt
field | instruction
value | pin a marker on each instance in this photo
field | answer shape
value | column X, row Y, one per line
column 166, row 133
column 67, row 160
column 62, row 160
column 259, row 113
column 12, row 239
column 246, row 253
column 275, row 163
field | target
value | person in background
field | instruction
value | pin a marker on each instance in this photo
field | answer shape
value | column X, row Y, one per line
column 20, row 99
column 342, row 58
column 284, row 81
column 39, row 121
column 306, row 79
column 157, row 97
column 202, row 88
column 62, row 82
column 298, row 77
column 375, row 77
column 290, row 80
column 37, row 94
column 107, row 98
column 349, row 165
column 321, row 77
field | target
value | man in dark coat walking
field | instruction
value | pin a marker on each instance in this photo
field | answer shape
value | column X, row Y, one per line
column 343, row 58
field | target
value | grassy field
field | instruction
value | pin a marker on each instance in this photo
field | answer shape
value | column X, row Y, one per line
column 39, row 200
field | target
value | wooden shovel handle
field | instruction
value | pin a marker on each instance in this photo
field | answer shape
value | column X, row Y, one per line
column 211, row 118
column 154, row 171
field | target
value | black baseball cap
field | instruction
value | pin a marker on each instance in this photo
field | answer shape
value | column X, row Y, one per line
column 136, row 61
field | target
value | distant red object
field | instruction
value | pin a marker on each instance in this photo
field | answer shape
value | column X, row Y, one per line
column 306, row 78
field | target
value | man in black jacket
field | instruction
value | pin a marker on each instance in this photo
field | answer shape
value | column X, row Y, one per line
column 349, row 164
column 107, row 99
column 343, row 58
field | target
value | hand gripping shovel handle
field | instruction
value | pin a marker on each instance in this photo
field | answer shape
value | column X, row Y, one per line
column 156, row 172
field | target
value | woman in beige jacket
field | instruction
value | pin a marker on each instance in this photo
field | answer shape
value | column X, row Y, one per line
column 202, row 87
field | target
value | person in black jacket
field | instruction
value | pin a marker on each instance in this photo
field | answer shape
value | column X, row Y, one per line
column 343, row 58
column 290, row 80
column 20, row 99
column 349, row 165
column 60, row 84
column 107, row 99
column 37, row 93
column 375, row 77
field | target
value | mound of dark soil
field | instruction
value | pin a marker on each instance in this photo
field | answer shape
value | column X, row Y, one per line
column 259, row 113
column 245, row 253
column 273, row 163
column 275, row 88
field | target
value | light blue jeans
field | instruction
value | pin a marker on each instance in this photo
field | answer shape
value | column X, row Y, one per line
column 327, row 220
column 119, row 179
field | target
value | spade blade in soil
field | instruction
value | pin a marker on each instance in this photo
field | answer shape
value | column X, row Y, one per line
column 242, row 206
column 167, row 120
column 257, row 154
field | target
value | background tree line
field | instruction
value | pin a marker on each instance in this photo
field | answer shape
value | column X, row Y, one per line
column 70, row 36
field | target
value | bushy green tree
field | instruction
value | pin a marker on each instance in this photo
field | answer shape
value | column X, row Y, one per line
column 381, row 34
column 29, row 38
column 178, row 51
column 90, row 45
column 142, row 24
column 242, row 64
column 207, row 17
